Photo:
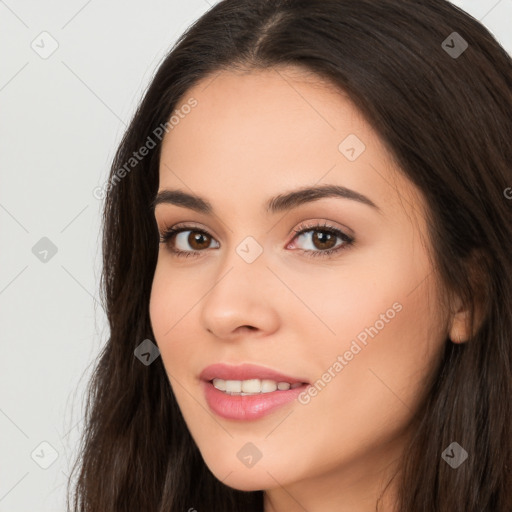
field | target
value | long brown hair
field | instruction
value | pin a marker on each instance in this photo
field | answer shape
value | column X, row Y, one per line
column 447, row 120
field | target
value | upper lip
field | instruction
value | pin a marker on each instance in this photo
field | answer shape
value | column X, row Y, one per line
column 245, row 372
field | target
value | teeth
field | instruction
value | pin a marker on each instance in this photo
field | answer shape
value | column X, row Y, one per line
column 252, row 386
column 267, row 386
column 220, row 384
column 233, row 386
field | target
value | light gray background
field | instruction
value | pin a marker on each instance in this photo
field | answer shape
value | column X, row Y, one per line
column 61, row 120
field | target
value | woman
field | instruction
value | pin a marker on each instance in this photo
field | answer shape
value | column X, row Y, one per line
column 308, row 269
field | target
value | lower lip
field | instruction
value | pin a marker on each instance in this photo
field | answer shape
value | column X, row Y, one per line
column 247, row 407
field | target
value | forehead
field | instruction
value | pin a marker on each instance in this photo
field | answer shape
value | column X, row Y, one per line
column 280, row 126
column 263, row 109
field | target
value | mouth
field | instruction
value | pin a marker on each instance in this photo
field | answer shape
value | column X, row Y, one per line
column 248, row 392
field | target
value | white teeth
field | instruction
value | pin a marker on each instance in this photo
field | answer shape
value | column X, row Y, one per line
column 267, row 386
column 252, row 386
column 233, row 386
column 220, row 384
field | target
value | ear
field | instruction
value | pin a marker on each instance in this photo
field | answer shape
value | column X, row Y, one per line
column 460, row 324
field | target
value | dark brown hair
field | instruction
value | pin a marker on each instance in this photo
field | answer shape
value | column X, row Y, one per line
column 447, row 121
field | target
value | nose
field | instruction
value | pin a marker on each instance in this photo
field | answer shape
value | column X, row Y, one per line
column 243, row 299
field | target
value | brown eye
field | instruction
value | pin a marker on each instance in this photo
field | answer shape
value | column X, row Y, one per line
column 183, row 244
column 323, row 241
column 198, row 240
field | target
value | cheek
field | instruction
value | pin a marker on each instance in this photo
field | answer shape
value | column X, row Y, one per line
column 172, row 295
column 363, row 408
column 387, row 357
column 389, row 335
column 385, row 292
column 168, row 308
column 158, row 303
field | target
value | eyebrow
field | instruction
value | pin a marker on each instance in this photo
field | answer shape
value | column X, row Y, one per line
column 279, row 203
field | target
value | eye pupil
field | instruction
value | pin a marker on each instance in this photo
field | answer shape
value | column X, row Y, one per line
column 322, row 237
column 195, row 237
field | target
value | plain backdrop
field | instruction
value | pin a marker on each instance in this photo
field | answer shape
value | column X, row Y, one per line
column 71, row 76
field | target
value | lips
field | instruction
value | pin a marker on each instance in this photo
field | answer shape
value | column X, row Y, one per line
column 246, row 372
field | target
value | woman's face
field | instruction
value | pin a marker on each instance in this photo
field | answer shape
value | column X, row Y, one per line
column 362, row 325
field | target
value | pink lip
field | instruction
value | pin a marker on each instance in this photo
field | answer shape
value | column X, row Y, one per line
column 245, row 372
column 248, row 407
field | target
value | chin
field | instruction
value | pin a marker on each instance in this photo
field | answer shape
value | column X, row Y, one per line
column 244, row 479
column 244, row 483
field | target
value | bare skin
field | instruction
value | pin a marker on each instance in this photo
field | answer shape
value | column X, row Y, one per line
column 253, row 136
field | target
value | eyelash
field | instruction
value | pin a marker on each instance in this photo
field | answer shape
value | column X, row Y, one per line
column 324, row 228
